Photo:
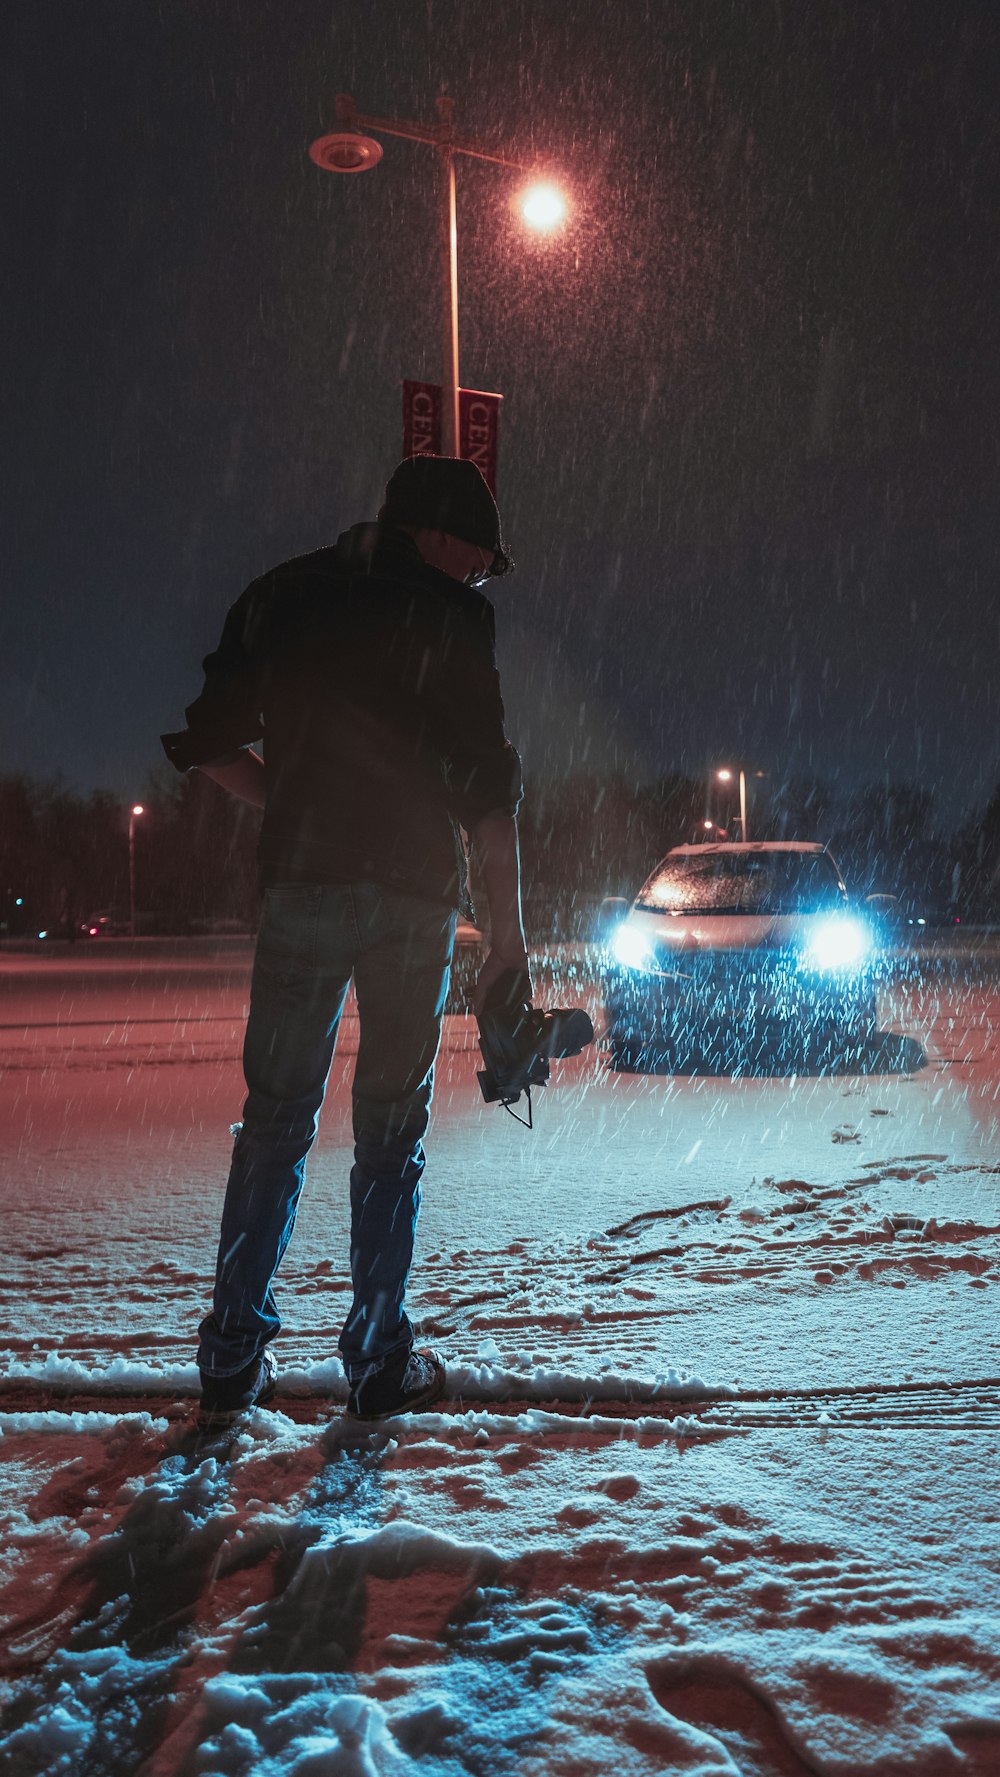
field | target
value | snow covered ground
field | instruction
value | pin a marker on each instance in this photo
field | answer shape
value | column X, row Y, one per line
column 715, row 1486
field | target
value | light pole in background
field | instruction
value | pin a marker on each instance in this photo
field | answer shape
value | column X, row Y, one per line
column 136, row 810
column 349, row 150
column 725, row 775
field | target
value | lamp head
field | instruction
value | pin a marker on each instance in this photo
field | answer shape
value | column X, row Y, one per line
column 346, row 151
column 543, row 207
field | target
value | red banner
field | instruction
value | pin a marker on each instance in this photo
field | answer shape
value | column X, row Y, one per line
column 478, row 417
column 421, row 420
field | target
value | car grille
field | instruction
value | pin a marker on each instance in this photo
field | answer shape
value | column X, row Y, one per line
column 727, row 984
column 705, row 968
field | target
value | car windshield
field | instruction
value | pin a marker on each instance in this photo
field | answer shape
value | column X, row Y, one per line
column 748, row 882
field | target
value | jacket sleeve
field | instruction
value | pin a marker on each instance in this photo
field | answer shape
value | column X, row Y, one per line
column 482, row 769
column 227, row 715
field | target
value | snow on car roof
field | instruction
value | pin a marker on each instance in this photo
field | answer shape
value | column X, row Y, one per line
column 690, row 851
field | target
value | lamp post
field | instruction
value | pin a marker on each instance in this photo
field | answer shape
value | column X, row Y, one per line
column 725, row 776
column 136, row 810
column 349, row 150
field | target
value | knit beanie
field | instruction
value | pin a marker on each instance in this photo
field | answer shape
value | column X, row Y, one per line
column 446, row 494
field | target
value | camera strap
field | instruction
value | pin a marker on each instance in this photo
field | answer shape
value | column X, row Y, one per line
column 525, row 1122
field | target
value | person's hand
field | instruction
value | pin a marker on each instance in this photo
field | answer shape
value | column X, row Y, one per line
column 495, row 966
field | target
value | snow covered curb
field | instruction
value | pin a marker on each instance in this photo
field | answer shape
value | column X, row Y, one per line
column 488, row 1379
column 92, row 1424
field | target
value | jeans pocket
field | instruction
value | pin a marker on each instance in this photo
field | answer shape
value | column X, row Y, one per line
column 287, row 939
column 430, row 923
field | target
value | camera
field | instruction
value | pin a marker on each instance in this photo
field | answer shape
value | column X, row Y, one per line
column 518, row 1041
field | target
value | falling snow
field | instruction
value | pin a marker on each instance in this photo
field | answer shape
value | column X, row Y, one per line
column 713, row 1486
column 711, row 1489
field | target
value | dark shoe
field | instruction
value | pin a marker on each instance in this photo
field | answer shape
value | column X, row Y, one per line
column 409, row 1380
column 226, row 1398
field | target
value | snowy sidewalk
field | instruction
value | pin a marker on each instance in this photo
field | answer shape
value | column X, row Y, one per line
column 714, row 1490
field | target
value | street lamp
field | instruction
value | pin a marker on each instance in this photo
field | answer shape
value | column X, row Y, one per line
column 349, row 150
column 543, row 207
column 136, row 810
column 725, row 776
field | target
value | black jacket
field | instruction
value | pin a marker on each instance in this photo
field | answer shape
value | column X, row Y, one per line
column 372, row 678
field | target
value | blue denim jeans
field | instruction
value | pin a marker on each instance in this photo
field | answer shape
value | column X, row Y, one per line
column 313, row 937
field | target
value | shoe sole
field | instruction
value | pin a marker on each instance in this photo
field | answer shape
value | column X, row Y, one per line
column 433, row 1393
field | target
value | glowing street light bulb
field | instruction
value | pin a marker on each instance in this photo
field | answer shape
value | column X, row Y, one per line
column 725, row 776
column 543, row 207
column 136, row 809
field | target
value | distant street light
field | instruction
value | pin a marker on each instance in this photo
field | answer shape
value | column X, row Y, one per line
column 136, row 810
column 349, row 150
column 725, row 776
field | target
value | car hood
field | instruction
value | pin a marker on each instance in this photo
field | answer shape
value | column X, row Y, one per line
column 688, row 932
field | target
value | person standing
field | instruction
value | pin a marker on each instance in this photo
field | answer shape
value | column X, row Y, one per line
column 369, row 669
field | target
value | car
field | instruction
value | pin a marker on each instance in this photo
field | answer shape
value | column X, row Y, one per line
column 902, row 922
column 69, row 931
column 110, row 924
column 726, row 942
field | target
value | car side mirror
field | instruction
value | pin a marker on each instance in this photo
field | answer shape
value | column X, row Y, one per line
column 609, row 914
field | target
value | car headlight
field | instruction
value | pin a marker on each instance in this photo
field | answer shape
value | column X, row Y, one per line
column 837, row 945
column 632, row 950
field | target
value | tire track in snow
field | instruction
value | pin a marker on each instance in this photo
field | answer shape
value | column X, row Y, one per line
column 972, row 1405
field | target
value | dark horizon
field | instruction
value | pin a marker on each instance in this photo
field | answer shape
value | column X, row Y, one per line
column 749, row 440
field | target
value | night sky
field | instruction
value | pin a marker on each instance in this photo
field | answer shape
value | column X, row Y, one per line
column 749, row 442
